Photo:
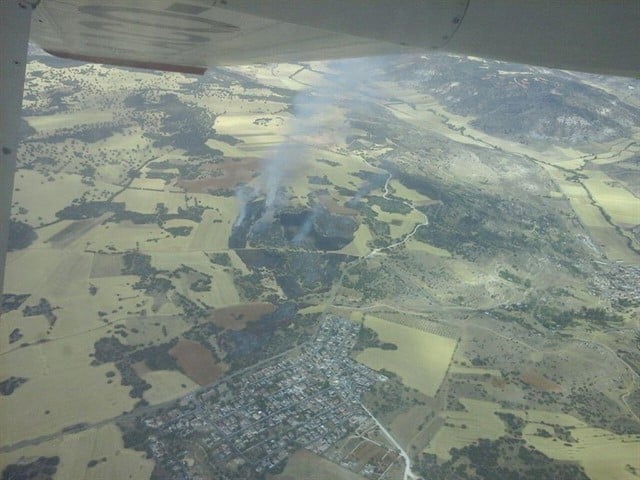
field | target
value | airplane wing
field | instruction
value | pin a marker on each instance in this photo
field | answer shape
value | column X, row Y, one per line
column 186, row 36
column 189, row 35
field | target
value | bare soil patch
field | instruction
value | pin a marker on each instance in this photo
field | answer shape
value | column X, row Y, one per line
column 368, row 453
column 197, row 362
column 539, row 382
column 226, row 175
column 498, row 382
column 236, row 317
column 140, row 368
column 106, row 265
column 334, row 207
column 75, row 230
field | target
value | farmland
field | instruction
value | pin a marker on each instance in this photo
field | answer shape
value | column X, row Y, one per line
column 421, row 359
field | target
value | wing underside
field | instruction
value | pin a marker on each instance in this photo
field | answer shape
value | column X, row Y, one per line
column 190, row 35
column 183, row 36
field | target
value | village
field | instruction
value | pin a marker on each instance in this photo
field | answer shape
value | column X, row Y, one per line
column 255, row 421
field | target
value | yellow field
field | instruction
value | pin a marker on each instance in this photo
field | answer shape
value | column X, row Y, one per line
column 425, row 247
column 479, row 421
column 27, row 270
column 359, row 245
column 619, row 203
column 66, row 120
column 236, row 262
column 132, row 142
column 603, row 454
column 405, row 426
column 475, row 371
column 126, row 236
column 421, row 359
column 157, row 184
column 145, row 201
column 406, row 221
column 167, row 385
column 256, row 137
column 174, row 324
column 51, row 196
column 222, row 292
column 340, row 175
column 399, row 190
column 214, row 236
column 77, row 450
column 61, row 366
column 60, row 381
column 603, row 234
column 312, row 309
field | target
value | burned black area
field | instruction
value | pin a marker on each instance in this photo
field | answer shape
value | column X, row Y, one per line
column 240, row 233
column 333, row 232
column 310, row 228
column 271, row 335
column 241, row 343
column 297, row 272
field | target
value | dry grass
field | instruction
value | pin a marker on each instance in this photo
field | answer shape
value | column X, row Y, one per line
column 603, row 454
column 421, row 359
column 462, row 428
column 77, row 450
column 309, row 466
column 167, row 385
column 105, row 265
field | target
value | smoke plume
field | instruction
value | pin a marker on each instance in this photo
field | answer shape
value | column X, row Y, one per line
column 347, row 79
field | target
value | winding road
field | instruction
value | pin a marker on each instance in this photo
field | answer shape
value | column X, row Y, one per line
column 408, row 473
column 385, row 195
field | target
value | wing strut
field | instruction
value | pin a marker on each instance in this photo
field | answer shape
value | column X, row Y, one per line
column 15, row 20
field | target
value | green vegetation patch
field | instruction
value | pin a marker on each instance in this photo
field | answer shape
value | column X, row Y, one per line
column 21, row 235
column 179, row 231
column 43, row 307
column 368, row 338
column 155, row 357
column 43, row 468
column 505, row 458
column 8, row 386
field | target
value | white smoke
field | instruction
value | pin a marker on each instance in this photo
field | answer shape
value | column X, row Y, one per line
column 348, row 79
column 282, row 164
column 307, row 226
column 244, row 194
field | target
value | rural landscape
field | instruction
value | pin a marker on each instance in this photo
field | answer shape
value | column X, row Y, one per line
column 407, row 267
